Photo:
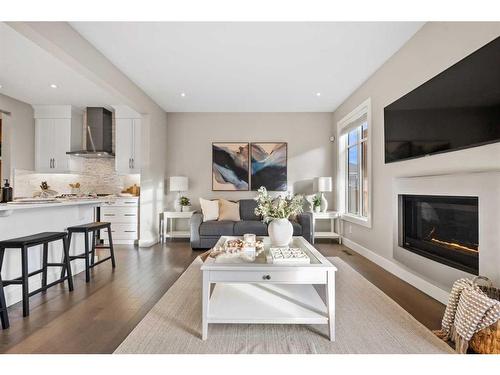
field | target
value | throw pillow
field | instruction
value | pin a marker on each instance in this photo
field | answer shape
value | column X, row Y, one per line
column 229, row 210
column 209, row 209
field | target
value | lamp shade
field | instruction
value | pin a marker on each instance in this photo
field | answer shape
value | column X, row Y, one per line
column 178, row 183
column 324, row 184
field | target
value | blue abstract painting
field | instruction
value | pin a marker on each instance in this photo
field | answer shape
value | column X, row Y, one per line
column 269, row 166
column 230, row 164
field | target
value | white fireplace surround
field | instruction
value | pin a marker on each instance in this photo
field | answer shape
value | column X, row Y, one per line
column 439, row 277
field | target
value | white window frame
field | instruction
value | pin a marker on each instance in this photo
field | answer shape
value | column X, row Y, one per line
column 343, row 127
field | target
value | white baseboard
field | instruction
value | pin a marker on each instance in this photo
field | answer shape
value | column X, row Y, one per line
column 400, row 271
column 148, row 243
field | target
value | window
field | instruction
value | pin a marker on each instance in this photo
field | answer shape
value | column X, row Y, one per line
column 354, row 165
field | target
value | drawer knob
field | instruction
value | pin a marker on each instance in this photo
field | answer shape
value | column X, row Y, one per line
column 266, row 277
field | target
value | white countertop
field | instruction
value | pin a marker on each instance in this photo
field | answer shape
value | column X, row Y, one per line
column 59, row 203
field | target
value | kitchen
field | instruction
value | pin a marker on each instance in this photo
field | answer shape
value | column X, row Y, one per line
column 70, row 153
column 87, row 165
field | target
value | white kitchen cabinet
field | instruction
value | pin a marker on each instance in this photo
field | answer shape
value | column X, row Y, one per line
column 123, row 214
column 57, row 129
column 53, row 140
column 128, row 145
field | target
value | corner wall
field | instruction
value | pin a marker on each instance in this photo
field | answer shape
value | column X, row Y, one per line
column 433, row 49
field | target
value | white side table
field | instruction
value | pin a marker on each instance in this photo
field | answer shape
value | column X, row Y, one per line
column 167, row 224
column 335, row 225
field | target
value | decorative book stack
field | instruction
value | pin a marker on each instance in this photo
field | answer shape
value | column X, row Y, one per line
column 288, row 255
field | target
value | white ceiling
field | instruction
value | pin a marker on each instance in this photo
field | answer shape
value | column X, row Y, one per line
column 27, row 71
column 248, row 67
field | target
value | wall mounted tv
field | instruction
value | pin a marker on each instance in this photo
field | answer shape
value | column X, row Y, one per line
column 459, row 108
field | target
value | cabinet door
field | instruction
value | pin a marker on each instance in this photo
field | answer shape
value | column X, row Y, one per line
column 136, row 144
column 61, row 145
column 44, row 144
column 124, row 145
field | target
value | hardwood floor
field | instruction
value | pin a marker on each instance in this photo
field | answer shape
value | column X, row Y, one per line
column 97, row 316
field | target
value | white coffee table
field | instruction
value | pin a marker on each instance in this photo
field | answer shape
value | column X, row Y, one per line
column 264, row 293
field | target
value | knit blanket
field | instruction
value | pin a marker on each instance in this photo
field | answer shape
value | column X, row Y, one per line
column 468, row 311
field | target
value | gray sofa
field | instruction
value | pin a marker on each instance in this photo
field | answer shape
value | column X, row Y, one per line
column 204, row 235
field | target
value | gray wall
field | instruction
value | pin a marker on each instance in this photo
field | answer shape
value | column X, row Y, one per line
column 434, row 48
column 18, row 138
column 190, row 137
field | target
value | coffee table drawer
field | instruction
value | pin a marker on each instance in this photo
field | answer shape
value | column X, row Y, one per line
column 303, row 276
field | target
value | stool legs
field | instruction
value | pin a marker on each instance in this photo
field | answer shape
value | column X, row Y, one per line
column 87, row 260
column 111, row 249
column 24, row 278
column 92, row 252
column 67, row 264
column 4, row 317
column 45, row 256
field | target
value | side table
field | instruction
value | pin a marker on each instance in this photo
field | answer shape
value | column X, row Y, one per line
column 335, row 225
column 167, row 224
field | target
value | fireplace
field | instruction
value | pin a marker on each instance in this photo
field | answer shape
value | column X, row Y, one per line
column 442, row 228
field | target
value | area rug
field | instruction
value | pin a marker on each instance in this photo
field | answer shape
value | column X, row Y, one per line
column 367, row 321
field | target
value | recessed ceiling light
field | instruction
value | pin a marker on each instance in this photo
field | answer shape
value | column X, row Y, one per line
column 183, row 94
column 53, row 85
column 318, row 94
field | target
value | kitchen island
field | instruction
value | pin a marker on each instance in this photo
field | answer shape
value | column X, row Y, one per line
column 17, row 220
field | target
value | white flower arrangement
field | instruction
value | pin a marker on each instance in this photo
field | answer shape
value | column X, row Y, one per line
column 281, row 207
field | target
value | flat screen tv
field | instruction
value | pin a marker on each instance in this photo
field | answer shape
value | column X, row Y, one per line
column 459, row 108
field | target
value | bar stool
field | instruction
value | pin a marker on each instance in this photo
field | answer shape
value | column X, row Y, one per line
column 89, row 253
column 4, row 317
column 23, row 244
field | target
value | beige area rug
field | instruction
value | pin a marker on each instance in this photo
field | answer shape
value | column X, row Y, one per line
column 368, row 321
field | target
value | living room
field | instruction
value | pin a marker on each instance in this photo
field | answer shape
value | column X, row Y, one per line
column 250, row 187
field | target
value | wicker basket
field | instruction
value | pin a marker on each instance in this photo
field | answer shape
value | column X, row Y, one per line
column 487, row 341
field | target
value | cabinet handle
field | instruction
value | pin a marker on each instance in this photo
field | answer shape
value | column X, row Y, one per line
column 266, row 277
column 129, row 215
column 133, row 163
column 50, row 163
column 129, row 231
column 53, row 162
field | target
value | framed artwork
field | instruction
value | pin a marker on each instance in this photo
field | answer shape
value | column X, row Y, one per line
column 269, row 165
column 230, row 166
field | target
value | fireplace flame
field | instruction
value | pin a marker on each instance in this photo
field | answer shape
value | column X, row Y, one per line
column 455, row 245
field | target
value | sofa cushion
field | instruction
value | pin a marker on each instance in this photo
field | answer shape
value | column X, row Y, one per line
column 297, row 229
column 210, row 209
column 217, row 228
column 229, row 210
column 250, row 226
column 247, row 210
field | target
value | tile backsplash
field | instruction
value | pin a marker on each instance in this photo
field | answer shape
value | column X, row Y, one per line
column 94, row 176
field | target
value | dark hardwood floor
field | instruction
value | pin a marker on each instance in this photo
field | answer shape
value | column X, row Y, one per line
column 97, row 316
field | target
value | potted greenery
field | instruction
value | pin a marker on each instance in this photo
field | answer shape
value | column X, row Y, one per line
column 316, row 203
column 277, row 212
column 185, row 204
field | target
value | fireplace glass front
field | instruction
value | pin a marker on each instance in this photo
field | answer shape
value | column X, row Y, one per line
column 442, row 228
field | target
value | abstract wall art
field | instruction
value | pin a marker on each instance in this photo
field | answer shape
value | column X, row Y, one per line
column 230, row 166
column 269, row 165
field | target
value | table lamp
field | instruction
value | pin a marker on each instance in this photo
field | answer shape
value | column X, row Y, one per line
column 324, row 186
column 178, row 184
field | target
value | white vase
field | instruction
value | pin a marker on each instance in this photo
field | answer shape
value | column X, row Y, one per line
column 280, row 232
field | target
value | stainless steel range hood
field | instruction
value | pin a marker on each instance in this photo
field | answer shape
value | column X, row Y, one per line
column 99, row 134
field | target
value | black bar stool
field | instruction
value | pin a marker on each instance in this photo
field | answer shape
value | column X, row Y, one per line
column 89, row 253
column 24, row 243
column 4, row 317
